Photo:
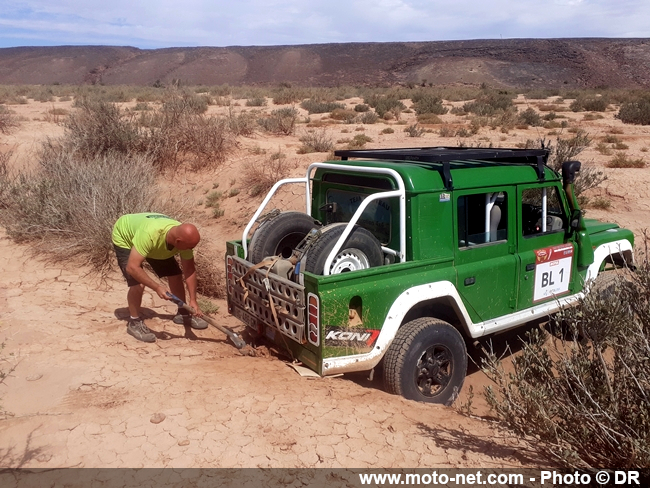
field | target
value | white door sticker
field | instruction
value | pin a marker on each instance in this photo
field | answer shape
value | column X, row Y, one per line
column 552, row 271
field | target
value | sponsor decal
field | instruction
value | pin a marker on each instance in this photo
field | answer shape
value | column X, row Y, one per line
column 338, row 336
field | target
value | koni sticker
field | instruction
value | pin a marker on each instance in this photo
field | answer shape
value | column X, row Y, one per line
column 358, row 338
column 552, row 271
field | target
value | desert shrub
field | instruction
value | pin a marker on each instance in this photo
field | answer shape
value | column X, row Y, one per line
column 315, row 106
column 209, row 273
column 287, row 94
column 635, row 112
column 384, row 104
column 601, row 203
column 316, row 141
column 446, row 131
column 428, row 103
column 281, row 121
column 414, row 130
column 345, row 115
column 429, row 119
column 259, row 178
column 604, row 149
column 589, row 104
column 361, row 107
column 530, row 117
column 8, row 120
column 620, row 160
column 66, row 208
column 489, row 103
column 368, row 118
column 542, row 93
column 359, row 141
column 585, row 402
column 566, row 149
column 98, row 127
column 387, row 130
column 256, row 102
column 242, row 123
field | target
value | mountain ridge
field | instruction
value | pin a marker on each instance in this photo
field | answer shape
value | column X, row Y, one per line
column 570, row 62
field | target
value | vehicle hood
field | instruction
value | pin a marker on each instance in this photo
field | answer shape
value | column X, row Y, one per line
column 595, row 226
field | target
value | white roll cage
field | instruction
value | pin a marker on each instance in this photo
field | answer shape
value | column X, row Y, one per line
column 399, row 193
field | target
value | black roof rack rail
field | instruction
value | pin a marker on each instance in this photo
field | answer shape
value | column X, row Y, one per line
column 444, row 155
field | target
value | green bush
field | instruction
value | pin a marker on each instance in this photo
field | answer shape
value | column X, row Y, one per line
column 414, row 130
column 359, row 141
column 636, row 112
column 585, row 401
column 316, row 141
column 281, row 121
column 489, row 103
column 256, row 102
column 314, row 106
column 530, row 117
column 428, row 103
column 384, row 104
column 589, row 104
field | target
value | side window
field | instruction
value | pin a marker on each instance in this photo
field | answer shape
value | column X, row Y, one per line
column 482, row 219
column 541, row 211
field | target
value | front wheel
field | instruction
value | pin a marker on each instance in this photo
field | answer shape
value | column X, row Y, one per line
column 426, row 362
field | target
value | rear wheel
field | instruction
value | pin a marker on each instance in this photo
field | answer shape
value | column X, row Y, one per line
column 361, row 250
column 426, row 362
column 279, row 235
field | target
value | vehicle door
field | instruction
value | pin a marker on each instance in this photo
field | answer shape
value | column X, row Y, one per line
column 546, row 253
column 486, row 264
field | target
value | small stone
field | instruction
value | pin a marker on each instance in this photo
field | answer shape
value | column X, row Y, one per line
column 34, row 377
column 184, row 442
column 43, row 458
column 156, row 418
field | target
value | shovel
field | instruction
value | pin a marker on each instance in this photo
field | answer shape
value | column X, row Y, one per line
column 236, row 340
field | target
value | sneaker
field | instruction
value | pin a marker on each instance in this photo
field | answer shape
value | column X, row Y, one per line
column 190, row 321
column 140, row 331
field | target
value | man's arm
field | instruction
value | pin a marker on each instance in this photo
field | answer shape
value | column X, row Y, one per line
column 189, row 273
column 134, row 268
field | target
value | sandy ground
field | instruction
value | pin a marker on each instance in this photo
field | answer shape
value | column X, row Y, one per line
column 83, row 393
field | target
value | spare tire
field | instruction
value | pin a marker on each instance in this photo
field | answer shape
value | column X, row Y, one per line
column 361, row 250
column 279, row 235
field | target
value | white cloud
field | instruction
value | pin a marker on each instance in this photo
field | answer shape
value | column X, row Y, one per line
column 166, row 23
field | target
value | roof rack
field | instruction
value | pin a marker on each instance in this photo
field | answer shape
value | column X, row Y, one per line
column 443, row 156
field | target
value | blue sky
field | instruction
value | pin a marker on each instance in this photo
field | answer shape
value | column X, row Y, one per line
column 164, row 23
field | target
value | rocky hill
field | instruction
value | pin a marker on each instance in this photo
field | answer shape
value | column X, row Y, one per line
column 614, row 63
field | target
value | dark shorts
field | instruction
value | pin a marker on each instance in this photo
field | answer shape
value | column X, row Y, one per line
column 162, row 267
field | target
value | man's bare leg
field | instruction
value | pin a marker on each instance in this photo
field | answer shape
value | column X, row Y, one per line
column 134, row 299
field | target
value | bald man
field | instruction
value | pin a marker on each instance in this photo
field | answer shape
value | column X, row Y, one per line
column 156, row 238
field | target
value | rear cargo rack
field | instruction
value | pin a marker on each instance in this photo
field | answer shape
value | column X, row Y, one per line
column 440, row 158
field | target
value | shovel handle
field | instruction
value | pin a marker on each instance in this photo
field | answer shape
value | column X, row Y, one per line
column 236, row 340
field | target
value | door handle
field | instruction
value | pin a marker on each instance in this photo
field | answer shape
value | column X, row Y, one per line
column 530, row 266
column 470, row 281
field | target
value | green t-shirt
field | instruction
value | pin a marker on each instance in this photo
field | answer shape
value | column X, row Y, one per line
column 147, row 232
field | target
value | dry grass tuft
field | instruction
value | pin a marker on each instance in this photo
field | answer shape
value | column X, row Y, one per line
column 259, row 178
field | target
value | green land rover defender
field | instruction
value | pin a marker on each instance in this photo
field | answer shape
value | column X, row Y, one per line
column 404, row 256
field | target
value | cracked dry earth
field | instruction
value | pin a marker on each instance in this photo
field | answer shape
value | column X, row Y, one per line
column 85, row 394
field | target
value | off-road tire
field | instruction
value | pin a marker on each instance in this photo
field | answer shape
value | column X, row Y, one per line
column 361, row 249
column 280, row 235
column 426, row 362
